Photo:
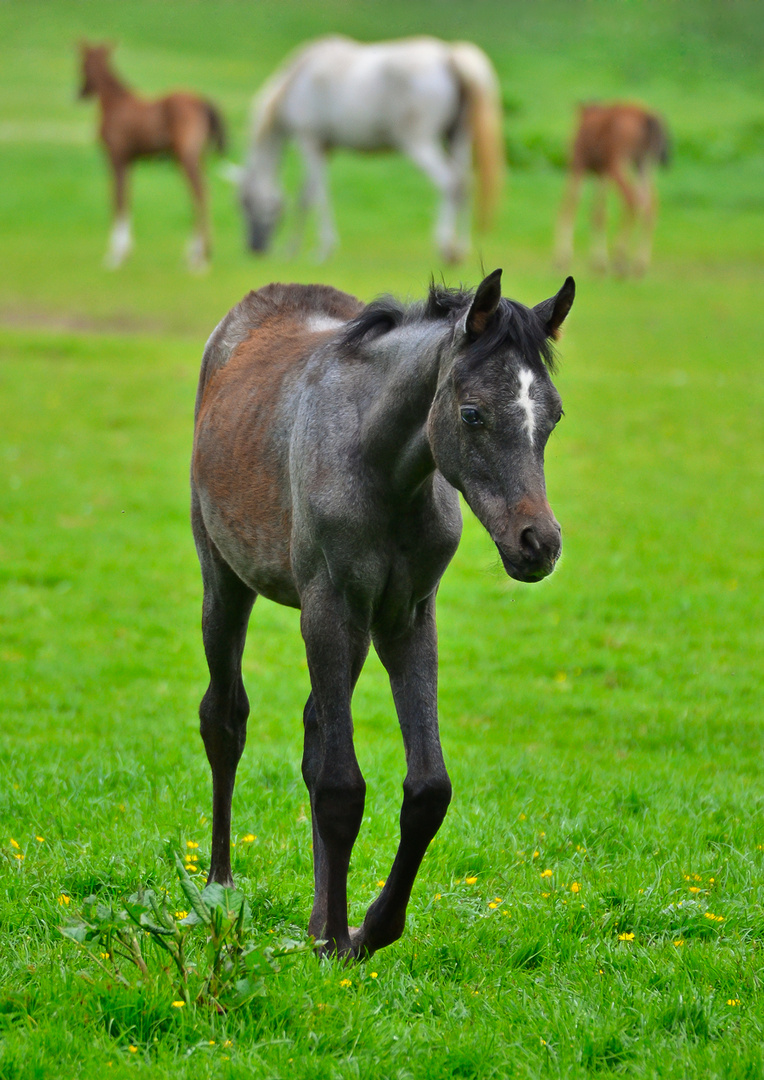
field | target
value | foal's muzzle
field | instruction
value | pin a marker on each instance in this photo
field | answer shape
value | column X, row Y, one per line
column 532, row 552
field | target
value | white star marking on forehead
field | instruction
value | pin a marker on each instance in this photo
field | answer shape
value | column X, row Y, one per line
column 526, row 402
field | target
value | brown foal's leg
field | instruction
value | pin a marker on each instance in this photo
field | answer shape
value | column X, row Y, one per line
column 224, row 709
column 648, row 204
column 630, row 208
column 566, row 222
column 120, row 240
column 599, row 254
column 189, row 154
column 412, row 664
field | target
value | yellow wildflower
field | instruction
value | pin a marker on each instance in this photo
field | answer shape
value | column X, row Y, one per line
column 522, row 817
column 63, row 900
column 678, row 942
column 373, row 974
column 249, row 838
column 178, row 1004
column 546, row 873
column 381, row 883
column 346, row 982
column 133, row 1049
column 470, row 880
column 191, row 844
column 17, row 856
column 492, row 905
column 733, row 1001
column 575, row 887
column 14, row 844
column 181, row 914
column 41, row 840
column 626, row 937
column 693, row 889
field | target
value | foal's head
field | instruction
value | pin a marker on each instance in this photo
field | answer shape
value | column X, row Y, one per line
column 95, row 64
column 493, row 414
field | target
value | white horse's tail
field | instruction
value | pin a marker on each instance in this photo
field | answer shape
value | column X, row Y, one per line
column 481, row 88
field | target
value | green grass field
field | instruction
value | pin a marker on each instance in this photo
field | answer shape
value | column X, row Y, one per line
column 593, row 902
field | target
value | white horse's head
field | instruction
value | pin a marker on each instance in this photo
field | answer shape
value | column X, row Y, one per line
column 262, row 203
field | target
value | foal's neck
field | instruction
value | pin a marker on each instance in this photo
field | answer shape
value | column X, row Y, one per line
column 110, row 87
column 395, row 427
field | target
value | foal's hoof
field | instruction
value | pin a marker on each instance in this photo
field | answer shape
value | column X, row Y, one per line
column 358, row 947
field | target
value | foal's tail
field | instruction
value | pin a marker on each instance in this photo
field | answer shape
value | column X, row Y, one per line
column 480, row 86
column 658, row 140
column 217, row 135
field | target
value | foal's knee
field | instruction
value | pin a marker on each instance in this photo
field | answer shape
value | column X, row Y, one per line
column 338, row 806
column 425, row 802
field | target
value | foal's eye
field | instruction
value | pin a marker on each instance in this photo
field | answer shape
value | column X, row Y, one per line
column 471, row 416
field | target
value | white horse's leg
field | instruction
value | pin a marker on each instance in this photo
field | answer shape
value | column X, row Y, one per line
column 432, row 160
column 315, row 192
column 461, row 156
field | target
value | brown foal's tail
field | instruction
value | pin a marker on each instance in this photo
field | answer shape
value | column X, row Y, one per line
column 658, row 140
column 480, row 86
column 217, row 135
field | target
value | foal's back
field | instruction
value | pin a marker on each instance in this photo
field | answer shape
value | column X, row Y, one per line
column 245, row 407
column 615, row 134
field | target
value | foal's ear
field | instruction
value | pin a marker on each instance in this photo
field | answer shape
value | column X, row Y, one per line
column 484, row 305
column 553, row 311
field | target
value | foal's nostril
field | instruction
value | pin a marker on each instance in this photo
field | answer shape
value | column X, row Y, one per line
column 530, row 543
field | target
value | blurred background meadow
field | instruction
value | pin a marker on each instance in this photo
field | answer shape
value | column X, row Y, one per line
column 593, row 902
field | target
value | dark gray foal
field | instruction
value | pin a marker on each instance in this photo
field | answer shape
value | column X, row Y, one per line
column 331, row 442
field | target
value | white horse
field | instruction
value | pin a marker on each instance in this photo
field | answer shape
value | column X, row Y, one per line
column 436, row 102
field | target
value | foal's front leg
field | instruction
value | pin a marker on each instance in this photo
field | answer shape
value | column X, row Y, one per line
column 336, row 652
column 411, row 661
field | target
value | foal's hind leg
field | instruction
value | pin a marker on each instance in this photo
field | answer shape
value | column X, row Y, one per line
column 412, row 664
column 648, row 204
column 199, row 246
column 224, row 708
column 599, row 254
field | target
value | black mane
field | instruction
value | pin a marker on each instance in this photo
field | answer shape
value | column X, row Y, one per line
column 512, row 326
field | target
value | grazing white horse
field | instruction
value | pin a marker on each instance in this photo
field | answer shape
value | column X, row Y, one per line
column 435, row 101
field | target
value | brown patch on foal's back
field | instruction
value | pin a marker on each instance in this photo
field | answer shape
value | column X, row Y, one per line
column 291, row 305
column 247, row 510
column 612, row 133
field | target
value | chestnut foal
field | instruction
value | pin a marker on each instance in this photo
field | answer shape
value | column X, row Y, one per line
column 181, row 124
column 619, row 143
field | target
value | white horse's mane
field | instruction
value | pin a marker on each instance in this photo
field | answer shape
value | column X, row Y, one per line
column 268, row 99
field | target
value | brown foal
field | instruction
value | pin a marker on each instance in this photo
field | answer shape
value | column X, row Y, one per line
column 619, row 143
column 181, row 124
